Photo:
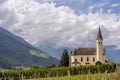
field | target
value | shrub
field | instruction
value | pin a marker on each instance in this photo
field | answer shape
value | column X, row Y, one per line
column 98, row 63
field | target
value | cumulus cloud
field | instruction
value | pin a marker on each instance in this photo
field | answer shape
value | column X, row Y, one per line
column 44, row 23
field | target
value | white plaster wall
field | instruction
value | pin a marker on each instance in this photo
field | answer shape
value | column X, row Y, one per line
column 78, row 57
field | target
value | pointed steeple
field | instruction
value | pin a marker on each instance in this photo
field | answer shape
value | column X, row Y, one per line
column 99, row 36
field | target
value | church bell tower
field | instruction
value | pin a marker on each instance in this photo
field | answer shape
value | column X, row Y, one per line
column 99, row 47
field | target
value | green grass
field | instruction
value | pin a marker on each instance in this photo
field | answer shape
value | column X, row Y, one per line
column 36, row 53
column 103, row 76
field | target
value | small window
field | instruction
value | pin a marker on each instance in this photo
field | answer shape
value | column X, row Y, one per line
column 81, row 59
column 75, row 60
column 93, row 59
column 99, row 42
column 87, row 59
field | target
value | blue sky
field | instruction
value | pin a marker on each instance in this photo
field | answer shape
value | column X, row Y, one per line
column 84, row 6
column 59, row 24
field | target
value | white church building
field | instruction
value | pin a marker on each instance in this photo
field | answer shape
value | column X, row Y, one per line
column 89, row 56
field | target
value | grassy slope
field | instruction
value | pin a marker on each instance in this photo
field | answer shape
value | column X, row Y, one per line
column 39, row 54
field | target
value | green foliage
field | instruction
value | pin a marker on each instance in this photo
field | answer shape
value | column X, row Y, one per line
column 58, row 71
column 36, row 66
column 65, row 59
column 98, row 63
column 52, row 66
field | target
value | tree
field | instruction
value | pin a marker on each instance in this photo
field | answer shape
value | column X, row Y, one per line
column 64, row 59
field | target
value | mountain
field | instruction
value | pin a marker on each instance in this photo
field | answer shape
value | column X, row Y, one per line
column 113, row 53
column 55, row 52
column 15, row 51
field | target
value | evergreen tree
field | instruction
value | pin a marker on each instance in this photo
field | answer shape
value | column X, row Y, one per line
column 64, row 59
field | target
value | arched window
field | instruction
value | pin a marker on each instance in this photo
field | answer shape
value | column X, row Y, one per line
column 87, row 59
column 81, row 59
column 93, row 59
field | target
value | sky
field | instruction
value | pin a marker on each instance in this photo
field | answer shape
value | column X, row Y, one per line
column 62, row 23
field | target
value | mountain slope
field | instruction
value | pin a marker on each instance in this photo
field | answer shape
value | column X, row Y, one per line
column 14, row 51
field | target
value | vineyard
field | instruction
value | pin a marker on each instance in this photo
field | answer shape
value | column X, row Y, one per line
column 103, row 76
column 98, row 76
column 97, row 72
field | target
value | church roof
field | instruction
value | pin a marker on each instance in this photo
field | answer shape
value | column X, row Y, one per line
column 99, row 36
column 85, row 51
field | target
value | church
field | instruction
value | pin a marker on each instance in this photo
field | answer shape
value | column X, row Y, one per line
column 89, row 56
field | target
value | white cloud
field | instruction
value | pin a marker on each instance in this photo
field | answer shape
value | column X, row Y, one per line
column 109, row 10
column 116, row 5
column 43, row 23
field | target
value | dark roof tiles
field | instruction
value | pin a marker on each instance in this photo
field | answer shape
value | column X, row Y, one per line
column 85, row 51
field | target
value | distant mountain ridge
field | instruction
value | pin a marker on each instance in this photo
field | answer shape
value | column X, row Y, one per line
column 15, row 51
column 111, row 52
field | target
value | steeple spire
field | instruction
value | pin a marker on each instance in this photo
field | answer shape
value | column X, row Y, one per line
column 99, row 36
